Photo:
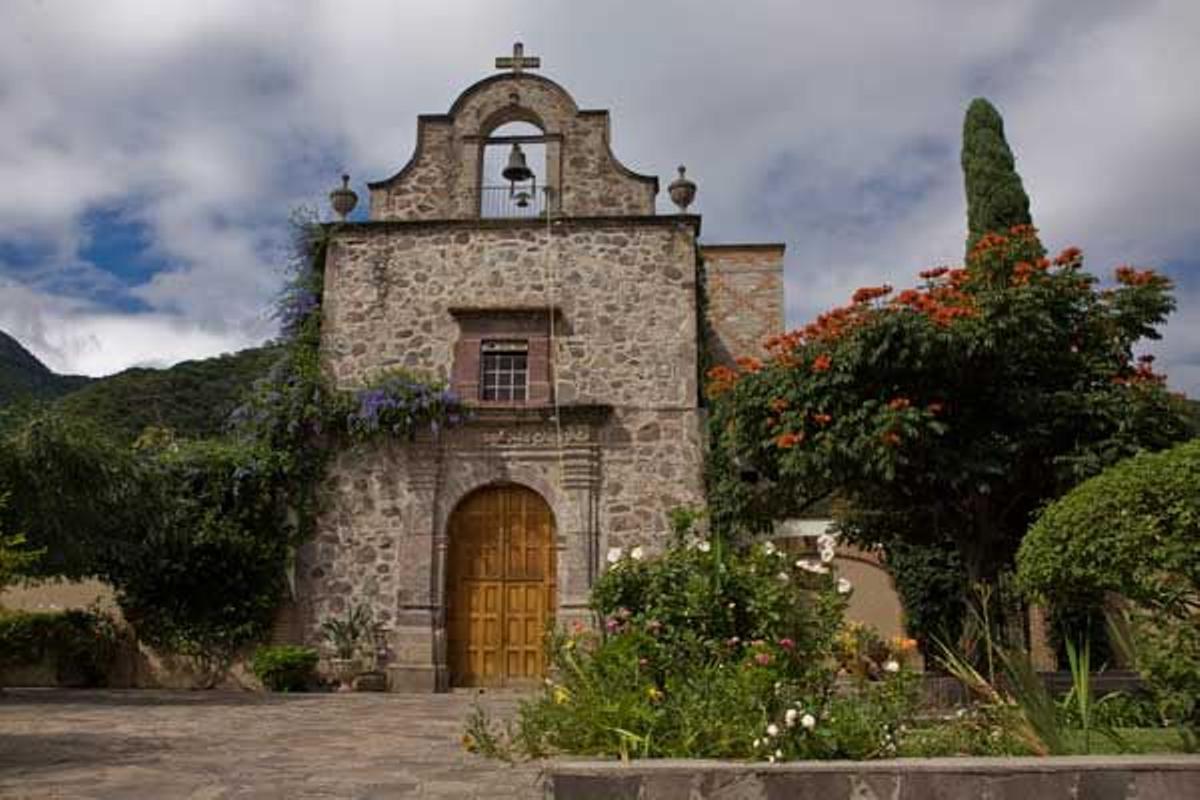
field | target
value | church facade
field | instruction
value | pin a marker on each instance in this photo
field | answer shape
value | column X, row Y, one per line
column 574, row 321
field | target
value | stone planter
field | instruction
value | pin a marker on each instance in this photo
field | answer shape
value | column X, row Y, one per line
column 344, row 670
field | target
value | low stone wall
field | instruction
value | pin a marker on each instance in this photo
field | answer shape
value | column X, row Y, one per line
column 1076, row 777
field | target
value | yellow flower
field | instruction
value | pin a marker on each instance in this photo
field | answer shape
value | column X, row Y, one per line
column 654, row 693
column 560, row 694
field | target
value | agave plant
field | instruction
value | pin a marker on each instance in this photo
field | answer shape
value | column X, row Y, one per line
column 345, row 633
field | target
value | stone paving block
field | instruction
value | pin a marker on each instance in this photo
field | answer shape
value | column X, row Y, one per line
column 805, row 786
column 592, row 787
column 1163, row 785
column 1107, row 785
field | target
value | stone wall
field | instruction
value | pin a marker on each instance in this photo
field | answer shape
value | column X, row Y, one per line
column 442, row 178
column 625, row 293
column 610, row 477
column 744, row 290
column 1162, row 777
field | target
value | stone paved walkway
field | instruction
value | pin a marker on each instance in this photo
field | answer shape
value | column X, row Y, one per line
column 159, row 745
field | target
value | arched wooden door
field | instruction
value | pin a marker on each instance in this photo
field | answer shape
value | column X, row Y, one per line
column 500, row 587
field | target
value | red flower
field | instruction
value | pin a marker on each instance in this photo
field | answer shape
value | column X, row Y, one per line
column 786, row 441
column 899, row 403
column 822, row 419
column 868, row 293
column 749, row 363
column 822, row 363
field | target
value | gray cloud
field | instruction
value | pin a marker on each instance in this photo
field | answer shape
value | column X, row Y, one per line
column 833, row 127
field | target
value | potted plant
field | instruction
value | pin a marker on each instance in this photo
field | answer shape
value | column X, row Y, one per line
column 344, row 635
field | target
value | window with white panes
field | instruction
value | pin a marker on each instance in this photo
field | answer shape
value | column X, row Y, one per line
column 504, row 370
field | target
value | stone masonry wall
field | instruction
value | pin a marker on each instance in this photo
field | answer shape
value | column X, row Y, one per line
column 626, row 294
column 441, row 180
column 744, row 285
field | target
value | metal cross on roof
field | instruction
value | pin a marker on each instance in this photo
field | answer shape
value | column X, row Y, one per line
column 518, row 61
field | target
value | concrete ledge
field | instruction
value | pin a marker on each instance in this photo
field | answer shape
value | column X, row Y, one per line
column 1167, row 777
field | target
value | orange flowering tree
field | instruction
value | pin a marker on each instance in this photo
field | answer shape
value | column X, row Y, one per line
column 950, row 411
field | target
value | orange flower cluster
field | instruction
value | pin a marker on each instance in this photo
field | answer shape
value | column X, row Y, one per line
column 720, row 380
column 987, row 243
column 1143, row 374
column 1071, row 256
column 822, row 419
column 868, row 293
column 786, row 441
column 822, row 363
column 942, row 304
column 779, row 405
column 1129, row 276
column 899, row 403
column 749, row 364
column 1023, row 271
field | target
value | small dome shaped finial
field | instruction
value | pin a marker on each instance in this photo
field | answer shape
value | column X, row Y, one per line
column 682, row 190
column 343, row 199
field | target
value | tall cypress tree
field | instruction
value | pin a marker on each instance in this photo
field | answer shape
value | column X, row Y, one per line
column 996, row 200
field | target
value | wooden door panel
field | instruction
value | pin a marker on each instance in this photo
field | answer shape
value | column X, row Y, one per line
column 501, row 586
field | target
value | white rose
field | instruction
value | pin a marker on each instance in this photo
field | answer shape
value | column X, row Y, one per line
column 844, row 586
column 826, row 540
column 757, row 742
column 790, row 717
column 772, row 730
column 637, row 553
column 769, row 548
column 892, row 666
column 808, row 722
column 783, row 576
column 703, row 546
column 827, row 554
column 779, row 754
column 614, row 555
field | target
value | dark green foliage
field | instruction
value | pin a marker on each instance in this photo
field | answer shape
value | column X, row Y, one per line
column 1134, row 530
column 206, row 571
column 23, row 377
column 193, row 398
column 285, row 668
column 996, row 200
column 81, row 644
column 932, row 586
column 955, row 410
column 72, row 492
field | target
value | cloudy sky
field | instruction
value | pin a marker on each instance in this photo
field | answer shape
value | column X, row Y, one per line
column 151, row 153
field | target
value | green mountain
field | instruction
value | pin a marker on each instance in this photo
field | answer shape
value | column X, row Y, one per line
column 23, row 377
column 194, row 398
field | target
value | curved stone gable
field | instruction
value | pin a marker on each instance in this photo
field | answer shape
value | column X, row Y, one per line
column 441, row 179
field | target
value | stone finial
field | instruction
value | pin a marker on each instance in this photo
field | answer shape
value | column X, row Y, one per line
column 343, row 199
column 682, row 190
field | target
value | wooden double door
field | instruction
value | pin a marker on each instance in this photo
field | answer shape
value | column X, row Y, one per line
column 501, row 587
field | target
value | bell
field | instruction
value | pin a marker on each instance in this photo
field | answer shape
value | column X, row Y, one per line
column 517, row 170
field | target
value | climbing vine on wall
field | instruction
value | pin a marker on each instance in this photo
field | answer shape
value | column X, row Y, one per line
column 196, row 535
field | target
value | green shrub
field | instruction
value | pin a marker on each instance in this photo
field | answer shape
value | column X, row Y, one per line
column 698, row 650
column 1133, row 530
column 80, row 644
column 285, row 668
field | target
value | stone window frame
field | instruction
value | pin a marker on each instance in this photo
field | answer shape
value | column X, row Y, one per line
column 530, row 326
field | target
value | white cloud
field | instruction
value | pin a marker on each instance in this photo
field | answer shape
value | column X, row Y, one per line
column 832, row 127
